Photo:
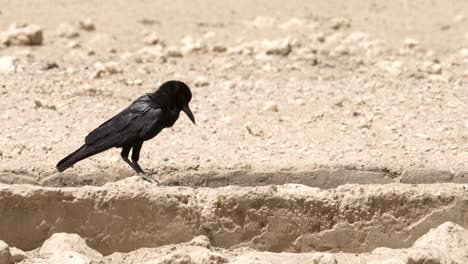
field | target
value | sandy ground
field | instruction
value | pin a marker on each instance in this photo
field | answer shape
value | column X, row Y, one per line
column 372, row 86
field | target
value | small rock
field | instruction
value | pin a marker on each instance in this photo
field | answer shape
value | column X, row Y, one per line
column 459, row 18
column 280, row 47
column 87, row 24
column 300, row 101
column 173, row 52
column 5, row 255
column 340, row 23
column 431, row 67
column 22, row 35
column 395, row 68
column 138, row 82
column 410, row 43
column 50, row 65
column 219, row 48
column 148, row 21
column 229, row 85
column 326, row 258
column 106, row 69
column 73, row 44
column 152, row 39
column 38, row 104
column 201, row 241
column 340, row 50
column 271, row 106
column 17, row 254
column 209, row 34
column 191, row 45
column 464, row 53
column 65, row 30
column 63, row 242
column 7, row 64
column 201, row 81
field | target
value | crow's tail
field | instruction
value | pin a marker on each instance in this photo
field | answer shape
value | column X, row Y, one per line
column 82, row 153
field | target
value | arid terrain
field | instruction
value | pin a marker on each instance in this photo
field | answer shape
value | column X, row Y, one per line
column 327, row 131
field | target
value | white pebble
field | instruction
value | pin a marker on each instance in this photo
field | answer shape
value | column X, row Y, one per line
column 8, row 64
column 87, row 24
column 271, row 106
column 201, row 81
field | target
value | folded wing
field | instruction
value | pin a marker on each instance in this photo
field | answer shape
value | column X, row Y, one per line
column 130, row 125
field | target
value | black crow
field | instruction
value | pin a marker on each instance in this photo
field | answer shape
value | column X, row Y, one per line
column 141, row 121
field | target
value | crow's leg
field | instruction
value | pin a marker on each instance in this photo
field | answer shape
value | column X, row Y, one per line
column 124, row 155
column 136, row 157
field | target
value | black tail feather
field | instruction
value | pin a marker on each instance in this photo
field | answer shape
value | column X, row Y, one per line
column 82, row 153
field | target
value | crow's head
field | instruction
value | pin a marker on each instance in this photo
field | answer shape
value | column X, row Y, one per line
column 180, row 95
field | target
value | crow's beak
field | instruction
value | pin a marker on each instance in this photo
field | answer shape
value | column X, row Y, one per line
column 187, row 111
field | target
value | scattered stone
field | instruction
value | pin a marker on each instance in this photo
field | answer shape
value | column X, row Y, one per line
column 325, row 258
column 73, row 44
column 395, row 68
column 66, row 30
column 17, row 254
column 201, row 241
column 173, row 52
column 340, row 50
column 5, row 255
column 7, row 64
column 431, row 67
column 256, row 132
column 109, row 68
column 191, row 45
column 459, row 18
column 201, row 81
column 219, row 48
column 22, row 35
column 300, row 101
column 209, row 34
column 148, row 21
column 464, row 53
column 229, row 85
column 152, row 38
column 340, row 23
column 50, row 65
column 87, row 24
column 38, row 104
column 280, row 47
column 138, row 82
column 63, row 242
column 410, row 43
column 271, row 106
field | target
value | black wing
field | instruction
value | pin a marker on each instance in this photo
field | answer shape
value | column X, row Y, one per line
column 134, row 123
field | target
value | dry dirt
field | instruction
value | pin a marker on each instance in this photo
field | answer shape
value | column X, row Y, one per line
column 288, row 98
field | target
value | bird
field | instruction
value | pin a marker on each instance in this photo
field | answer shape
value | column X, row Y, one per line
column 144, row 119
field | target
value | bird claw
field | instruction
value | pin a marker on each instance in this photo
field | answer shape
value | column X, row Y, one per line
column 148, row 179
